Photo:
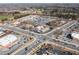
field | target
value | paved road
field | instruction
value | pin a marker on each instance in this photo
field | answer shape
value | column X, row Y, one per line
column 19, row 30
column 33, row 44
column 39, row 37
column 54, row 44
column 23, row 47
column 61, row 27
column 37, row 19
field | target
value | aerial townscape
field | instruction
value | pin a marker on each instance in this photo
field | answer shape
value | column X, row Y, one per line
column 39, row 29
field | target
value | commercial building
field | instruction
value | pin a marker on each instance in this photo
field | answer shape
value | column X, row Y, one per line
column 42, row 28
column 8, row 41
column 75, row 35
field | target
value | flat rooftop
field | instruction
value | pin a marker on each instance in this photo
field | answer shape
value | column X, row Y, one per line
column 8, row 40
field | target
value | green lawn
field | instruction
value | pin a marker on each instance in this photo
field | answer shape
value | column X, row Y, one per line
column 4, row 17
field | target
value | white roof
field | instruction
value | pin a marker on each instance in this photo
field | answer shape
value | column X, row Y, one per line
column 15, row 23
column 39, row 27
column 1, row 32
column 7, row 40
column 75, row 35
